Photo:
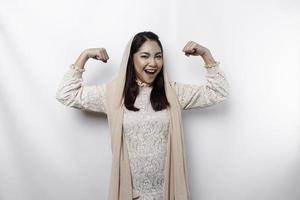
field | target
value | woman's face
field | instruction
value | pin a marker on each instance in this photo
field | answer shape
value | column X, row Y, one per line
column 148, row 61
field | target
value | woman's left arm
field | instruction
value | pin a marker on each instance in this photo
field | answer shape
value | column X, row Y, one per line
column 216, row 88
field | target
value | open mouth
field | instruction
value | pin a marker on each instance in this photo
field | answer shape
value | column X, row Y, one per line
column 150, row 71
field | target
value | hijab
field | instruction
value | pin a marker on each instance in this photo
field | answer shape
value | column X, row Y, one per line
column 175, row 175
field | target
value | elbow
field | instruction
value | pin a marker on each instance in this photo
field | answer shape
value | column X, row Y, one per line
column 224, row 95
column 221, row 99
column 63, row 98
column 67, row 98
column 59, row 97
column 225, row 91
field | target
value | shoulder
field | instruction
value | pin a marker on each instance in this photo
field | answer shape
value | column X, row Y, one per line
column 176, row 85
column 172, row 83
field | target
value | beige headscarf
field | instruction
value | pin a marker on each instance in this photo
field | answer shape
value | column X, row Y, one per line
column 175, row 174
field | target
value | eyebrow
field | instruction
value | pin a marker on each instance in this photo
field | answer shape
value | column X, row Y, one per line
column 149, row 53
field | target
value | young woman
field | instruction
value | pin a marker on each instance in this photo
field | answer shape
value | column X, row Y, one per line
column 144, row 114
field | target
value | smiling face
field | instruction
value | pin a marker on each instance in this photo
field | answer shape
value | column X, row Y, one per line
column 148, row 61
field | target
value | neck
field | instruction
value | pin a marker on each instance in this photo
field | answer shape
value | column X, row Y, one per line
column 143, row 84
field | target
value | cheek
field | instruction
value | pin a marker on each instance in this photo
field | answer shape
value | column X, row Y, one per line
column 160, row 63
column 138, row 65
column 138, row 68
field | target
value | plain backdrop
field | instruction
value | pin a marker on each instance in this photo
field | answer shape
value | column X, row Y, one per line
column 245, row 148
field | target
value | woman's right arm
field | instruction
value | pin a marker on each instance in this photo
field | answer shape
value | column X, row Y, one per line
column 71, row 91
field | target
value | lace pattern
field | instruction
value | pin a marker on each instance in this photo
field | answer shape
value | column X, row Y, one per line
column 146, row 135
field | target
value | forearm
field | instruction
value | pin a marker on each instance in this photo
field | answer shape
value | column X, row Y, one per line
column 208, row 59
column 81, row 60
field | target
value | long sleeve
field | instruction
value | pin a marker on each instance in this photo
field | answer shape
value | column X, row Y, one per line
column 71, row 92
column 214, row 91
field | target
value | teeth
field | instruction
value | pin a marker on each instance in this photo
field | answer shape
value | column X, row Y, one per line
column 150, row 70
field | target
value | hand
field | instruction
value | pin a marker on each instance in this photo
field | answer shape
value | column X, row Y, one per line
column 97, row 53
column 195, row 49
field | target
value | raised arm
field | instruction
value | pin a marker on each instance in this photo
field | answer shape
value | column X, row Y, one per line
column 216, row 88
column 214, row 91
column 71, row 91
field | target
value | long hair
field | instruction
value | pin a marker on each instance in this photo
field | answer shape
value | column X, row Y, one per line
column 158, row 97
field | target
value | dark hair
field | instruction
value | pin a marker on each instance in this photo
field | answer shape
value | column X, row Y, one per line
column 158, row 97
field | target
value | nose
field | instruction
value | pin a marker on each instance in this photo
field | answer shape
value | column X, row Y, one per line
column 152, row 62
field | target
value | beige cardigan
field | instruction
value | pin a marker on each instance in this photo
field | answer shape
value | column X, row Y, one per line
column 175, row 175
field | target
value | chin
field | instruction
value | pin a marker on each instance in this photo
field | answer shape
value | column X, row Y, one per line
column 146, row 79
column 149, row 80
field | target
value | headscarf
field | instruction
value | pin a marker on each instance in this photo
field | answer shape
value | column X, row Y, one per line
column 175, row 172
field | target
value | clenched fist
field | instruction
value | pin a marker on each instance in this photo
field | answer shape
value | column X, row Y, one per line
column 195, row 49
column 97, row 53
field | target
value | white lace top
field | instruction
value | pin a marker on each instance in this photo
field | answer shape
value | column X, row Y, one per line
column 146, row 131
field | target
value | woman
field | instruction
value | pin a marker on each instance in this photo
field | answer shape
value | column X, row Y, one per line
column 144, row 114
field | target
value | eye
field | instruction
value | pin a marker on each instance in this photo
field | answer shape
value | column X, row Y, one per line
column 144, row 56
column 158, row 56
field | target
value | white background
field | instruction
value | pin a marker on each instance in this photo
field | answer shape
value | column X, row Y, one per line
column 246, row 148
